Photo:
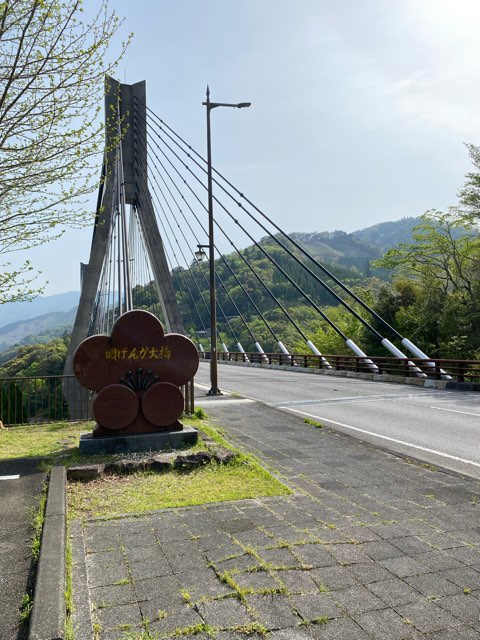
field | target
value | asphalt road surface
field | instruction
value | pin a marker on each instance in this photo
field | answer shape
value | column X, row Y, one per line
column 437, row 426
column 20, row 490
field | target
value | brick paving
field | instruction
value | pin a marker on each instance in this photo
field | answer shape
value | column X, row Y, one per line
column 368, row 547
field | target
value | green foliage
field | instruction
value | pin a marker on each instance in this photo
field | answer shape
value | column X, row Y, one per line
column 45, row 359
column 41, row 398
column 52, row 66
column 434, row 297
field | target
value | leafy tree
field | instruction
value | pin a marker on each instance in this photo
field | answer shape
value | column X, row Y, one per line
column 469, row 194
column 440, row 307
column 52, row 67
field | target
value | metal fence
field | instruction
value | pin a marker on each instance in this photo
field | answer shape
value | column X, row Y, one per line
column 436, row 369
column 34, row 400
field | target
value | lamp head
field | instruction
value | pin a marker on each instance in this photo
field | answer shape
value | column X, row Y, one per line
column 200, row 254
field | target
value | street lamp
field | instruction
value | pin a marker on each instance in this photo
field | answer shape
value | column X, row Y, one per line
column 214, row 390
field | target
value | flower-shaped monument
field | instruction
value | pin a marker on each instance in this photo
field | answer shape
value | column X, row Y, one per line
column 136, row 374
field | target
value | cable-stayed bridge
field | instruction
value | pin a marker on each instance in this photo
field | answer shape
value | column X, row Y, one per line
column 151, row 217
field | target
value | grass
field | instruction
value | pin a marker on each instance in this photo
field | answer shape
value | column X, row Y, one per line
column 40, row 441
column 319, row 425
column 112, row 496
column 137, row 493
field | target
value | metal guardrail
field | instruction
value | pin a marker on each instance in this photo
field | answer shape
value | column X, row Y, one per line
column 43, row 399
column 435, row 369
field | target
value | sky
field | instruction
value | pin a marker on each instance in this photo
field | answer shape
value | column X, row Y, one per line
column 359, row 108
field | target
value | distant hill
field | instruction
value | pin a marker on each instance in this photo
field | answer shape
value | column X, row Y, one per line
column 15, row 311
column 386, row 235
column 358, row 248
column 40, row 329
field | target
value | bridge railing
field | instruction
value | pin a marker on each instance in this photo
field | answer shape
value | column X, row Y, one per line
column 43, row 399
column 435, row 369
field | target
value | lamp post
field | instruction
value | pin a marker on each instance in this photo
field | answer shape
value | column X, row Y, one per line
column 214, row 390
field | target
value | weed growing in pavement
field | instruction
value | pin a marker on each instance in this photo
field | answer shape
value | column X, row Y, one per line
column 319, row 425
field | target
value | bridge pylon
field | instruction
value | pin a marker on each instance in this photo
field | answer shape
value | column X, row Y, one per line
column 124, row 181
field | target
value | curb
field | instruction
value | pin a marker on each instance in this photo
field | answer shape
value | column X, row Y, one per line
column 47, row 621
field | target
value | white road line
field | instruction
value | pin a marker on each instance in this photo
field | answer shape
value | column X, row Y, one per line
column 216, row 400
column 372, row 433
column 465, row 413
column 16, row 477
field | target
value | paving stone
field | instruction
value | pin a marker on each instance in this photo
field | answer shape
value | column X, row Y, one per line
column 468, row 536
column 370, row 572
column 467, row 555
column 395, row 592
column 411, row 545
column 165, row 601
column 181, row 548
column 357, row 600
column 240, row 563
column 390, row 531
column 280, row 557
column 120, row 632
column 215, row 541
column 441, row 541
column 338, row 629
column 180, row 619
column 113, row 595
column 152, row 587
column 432, row 585
column 105, row 558
column 381, row 550
column 296, row 581
column 273, row 611
column 437, row 560
column 225, row 613
column 315, row 605
column 289, row 534
column 465, row 578
column 328, row 535
column 224, row 553
column 138, row 554
column 316, row 555
column 427, row 616
column 103, row 540
column 253, row 538
column 203, row 584
column 463, row 606
column 348, row 553
column 236, row 525
column 110, row 617
column 150, row 568
column 404, row 566
column 361, row 534
column 334, row 577
column 181, row 564
column 459, row 633
column 233, row 635
column 297, row 633
column 101, row 575
column 256, row 581
column 171, row 534
column 385, row 624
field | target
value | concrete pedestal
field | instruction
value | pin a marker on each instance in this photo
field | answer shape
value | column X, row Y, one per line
column 90, row 446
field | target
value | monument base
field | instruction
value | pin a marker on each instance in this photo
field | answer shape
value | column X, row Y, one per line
column 135, row 443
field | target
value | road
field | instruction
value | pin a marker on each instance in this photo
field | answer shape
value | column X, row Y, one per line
column 437, row 426
column 20, row 490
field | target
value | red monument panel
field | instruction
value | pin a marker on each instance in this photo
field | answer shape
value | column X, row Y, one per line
column 136, row 373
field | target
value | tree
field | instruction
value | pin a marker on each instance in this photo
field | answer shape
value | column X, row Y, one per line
column 52, row 68
column 469, row 194
column 442, row 310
